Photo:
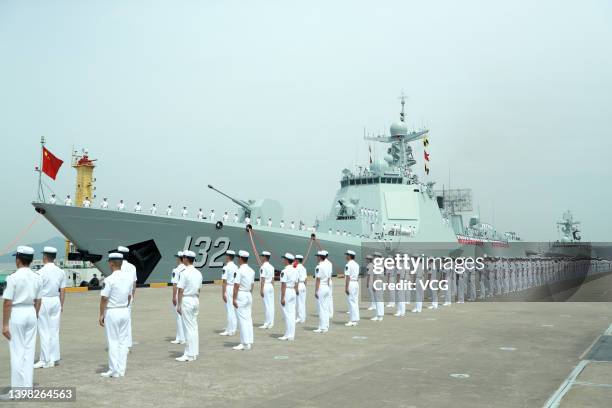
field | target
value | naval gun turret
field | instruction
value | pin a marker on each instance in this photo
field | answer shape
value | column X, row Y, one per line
column 264, row 208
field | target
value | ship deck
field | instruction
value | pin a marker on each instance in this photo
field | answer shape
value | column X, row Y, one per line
column 501, row 354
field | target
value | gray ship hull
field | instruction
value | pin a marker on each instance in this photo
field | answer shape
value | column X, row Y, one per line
column 98, row 231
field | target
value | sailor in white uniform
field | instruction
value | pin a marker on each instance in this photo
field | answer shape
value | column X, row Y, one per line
column 184, row 212
column 351, row 287
column 370, row 280
column 266, row 290
column 176, row 276
column 138, row 207
column 153, row 210
column 227, row 293
column 225, row 217
column 235, row 217
column 323, row 273
column 53, row 281
column 301, row 297
column 211, row 216
column 189, row 286
column 114, row 315
column 289, row 281
column 52, row 200
column 86, row 203
column 130, row 271
column 120, row 206
column 200, row 215
column 169, row 211
column 377, row 288
column 269, row 222
column 243, row 300
column 21, row 306
column 449, row 275
column 104, row 204
column 258, row 221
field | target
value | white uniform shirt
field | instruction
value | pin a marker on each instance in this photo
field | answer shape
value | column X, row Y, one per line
column 137, row 208
column 22, row 287
column 169, row 211
column 200, row 215
column 120, row 207
column 245, row 276
column 229, row 272
column 302, row 273
column 153, row 210
column 52, row 200
column 323, row 272
column 211, row 216
column 129, row 271
column 68, row 202
column 52, row 280
column 184, row 213
column 289, row 276
column 117, row 288
column 104, row 204
column 86, row 203
column 225, row 217
column 190, row 281
column 176, row 273
column 352, row 270
column 266, row 272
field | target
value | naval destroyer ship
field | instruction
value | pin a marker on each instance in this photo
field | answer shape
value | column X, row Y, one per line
column 383, row 205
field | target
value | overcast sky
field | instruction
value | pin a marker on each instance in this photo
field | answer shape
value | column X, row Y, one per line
column 270, row 99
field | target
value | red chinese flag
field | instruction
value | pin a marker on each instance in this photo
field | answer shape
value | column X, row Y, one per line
column 50, row 163
column 426, row 156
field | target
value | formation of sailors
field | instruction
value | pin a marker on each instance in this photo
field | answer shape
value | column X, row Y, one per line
column 34, row 300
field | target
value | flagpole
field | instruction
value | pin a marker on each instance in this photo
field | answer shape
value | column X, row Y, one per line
column 41, row 193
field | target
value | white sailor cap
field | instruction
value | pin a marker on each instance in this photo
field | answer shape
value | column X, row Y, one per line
column 49, row 250
column 350, row 252
column 243, row 254
column 230, row 252
column 289, row 256
column 369, row 256
column 115, row 255
column 179, row 254
column 189, row 254
column 123, row 249
column 322, row 253
column 299, row 257
column 266, row 253
column 24, row 250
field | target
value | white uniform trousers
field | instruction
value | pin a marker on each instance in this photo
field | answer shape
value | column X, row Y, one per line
column 371, row 293
column 129, row 339
column 391, row 292
column 190, row 308
column 379, row 296
column 330, row 300
column 448, row 293
column 400, row 297
column 353, row 300
column 245, row 319
column 48, row 328
column 460, row 287
column 420, row 292
column 301, row 302
column 180, row 333
column 434, row 288
column 268, row 300
column 471, row 276
column 491, row 283
column 323, row 307
column 22, row 345
column 232, row 321
column 116, row 326
column 289, row 313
